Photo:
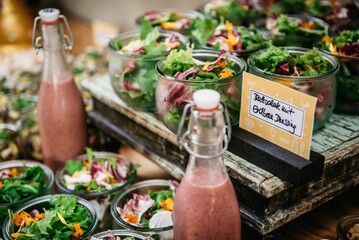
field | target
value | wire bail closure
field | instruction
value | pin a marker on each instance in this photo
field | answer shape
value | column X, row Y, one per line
column 183, row 139
column 37, row 41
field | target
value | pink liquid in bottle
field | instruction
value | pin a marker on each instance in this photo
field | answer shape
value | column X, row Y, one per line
column 62, row 122
column 213, row 201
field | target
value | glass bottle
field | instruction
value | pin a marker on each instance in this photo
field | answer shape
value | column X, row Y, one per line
column 206, row 206
column 60, row 109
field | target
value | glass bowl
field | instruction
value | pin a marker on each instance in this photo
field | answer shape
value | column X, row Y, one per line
column 29, row 136
column 101, row 200
column 345, row 227
column 347, row 84
column 120, row 233
column 141, row 188
column 261, row 40
column 137, row 87
column 42, row 203
column 9, row 146
column 20, row 166
column 178, row 20
column 172, row 94
column 232, row 10
column 303, row 36
column 323, row 86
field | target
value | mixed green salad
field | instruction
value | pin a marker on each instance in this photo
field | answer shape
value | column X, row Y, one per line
column 300, row 67
column 281, row 61
column 19, row 183
column 239, row 12
column 150, row 210
column 16, row 185
column 135, row 80
column 224, row 36
column 63, row 219
column 345, row 48
column 295, row 30
column 222, row 74
column 170, row 20
column 95, row 174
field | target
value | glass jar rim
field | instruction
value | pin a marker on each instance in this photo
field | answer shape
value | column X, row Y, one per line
column 28, row 163
column 60, row 173
column 206, row 53
column 135, row 34
column 146, row 183
column 46, row 198
column 296, row 51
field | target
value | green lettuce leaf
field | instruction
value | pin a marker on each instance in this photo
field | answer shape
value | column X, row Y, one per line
column 178, row 61
column 73, row 166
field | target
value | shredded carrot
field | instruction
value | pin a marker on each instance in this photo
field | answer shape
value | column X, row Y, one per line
column 308, row 25
column 131, row 218
column 167, row 204
column 227, row 73
column 78, row 231
column 205, row 66
column 21, row 218
column 14, row 172
column 85, row 163
column 221, row 63
column 24, row 217
column 172, row 45
column 1, row 185
column 229, row 27
column 245, row 7
column 169, row 25
column 327, row 39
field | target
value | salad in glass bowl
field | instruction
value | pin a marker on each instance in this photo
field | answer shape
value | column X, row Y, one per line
column 239, row 12
column 96, row 176
column 146, row 207
column 306, row 70
column 241, row 41
column 57, row 216
column 21, row 181
column 133, row 58
column 345, row 48
column 170, row 19
column 293, row 30
column 185, row 71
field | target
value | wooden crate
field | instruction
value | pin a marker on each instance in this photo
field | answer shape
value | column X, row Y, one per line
column 267, row 202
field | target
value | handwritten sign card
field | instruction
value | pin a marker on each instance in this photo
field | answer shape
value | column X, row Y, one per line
column 277, row 113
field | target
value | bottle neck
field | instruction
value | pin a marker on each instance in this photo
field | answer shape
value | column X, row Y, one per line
column 55, row 67
column 206, row 138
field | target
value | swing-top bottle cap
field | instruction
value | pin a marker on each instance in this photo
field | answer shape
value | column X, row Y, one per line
column 206, row 99
column 49, row 14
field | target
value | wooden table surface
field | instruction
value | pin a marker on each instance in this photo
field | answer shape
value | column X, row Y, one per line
column 317, row 224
